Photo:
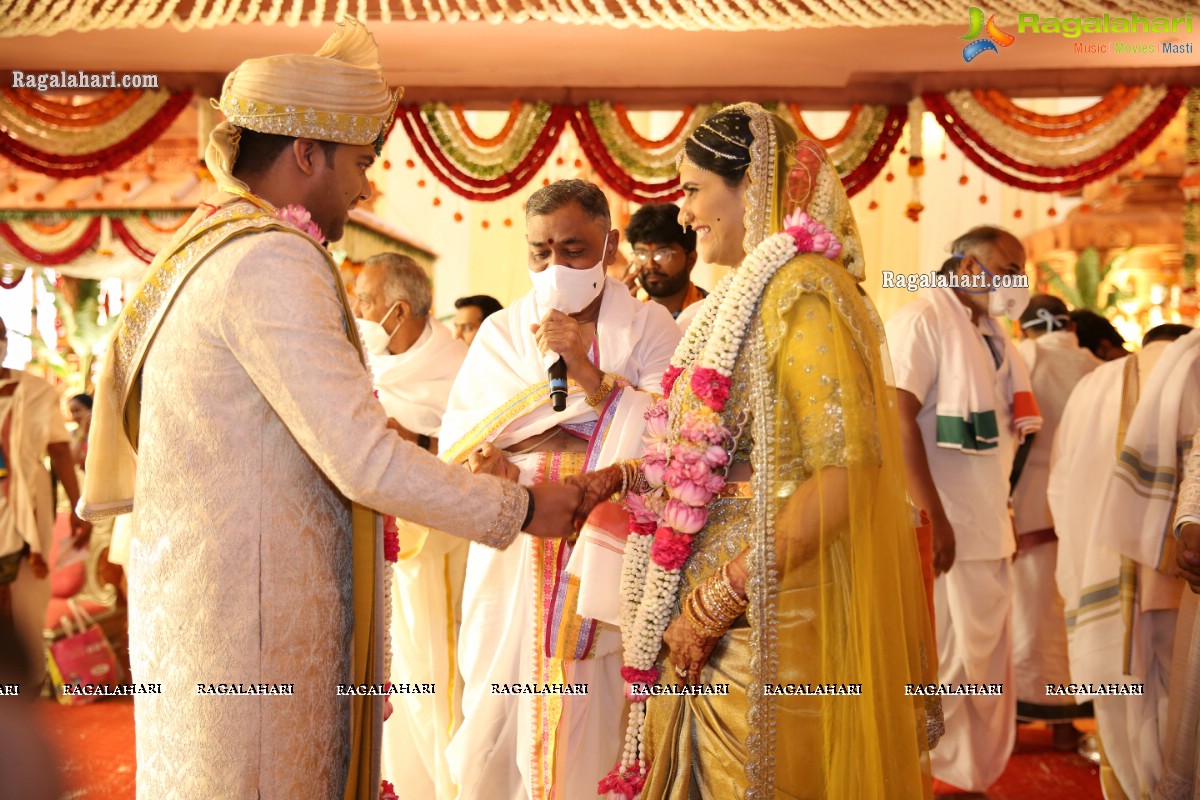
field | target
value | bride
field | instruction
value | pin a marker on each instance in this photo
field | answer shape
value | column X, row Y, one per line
column 771, row 547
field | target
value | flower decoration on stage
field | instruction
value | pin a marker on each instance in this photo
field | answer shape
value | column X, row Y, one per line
column 298, row 217
column 684, row 466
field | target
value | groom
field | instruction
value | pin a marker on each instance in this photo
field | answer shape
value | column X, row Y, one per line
column 237, row 376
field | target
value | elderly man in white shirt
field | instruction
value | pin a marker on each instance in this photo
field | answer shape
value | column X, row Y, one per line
column 965, row 400
column 414, row 360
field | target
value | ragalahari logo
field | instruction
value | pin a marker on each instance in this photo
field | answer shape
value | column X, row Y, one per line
column 987, row 43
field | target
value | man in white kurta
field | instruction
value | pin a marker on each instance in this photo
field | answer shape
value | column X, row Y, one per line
column 414, row 360
column 31, row 428
column 236, row 376
column 1056, row 364
column 1113, row 477
column 964, row 399
column 525, row 616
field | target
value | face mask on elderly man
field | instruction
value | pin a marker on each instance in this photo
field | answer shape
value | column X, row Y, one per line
column 375, row 337
column 565, row 289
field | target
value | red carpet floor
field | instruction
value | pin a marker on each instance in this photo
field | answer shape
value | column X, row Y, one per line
column 95, row 743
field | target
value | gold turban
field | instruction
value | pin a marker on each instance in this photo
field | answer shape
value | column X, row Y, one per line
column 337, row 94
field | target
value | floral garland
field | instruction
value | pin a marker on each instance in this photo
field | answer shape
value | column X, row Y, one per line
column 1055, row 150
column 514, row 113
column 485, row 161
column 66, row 115
column 464, row 182
column 298, row 217
column 73, row 152
column 857, row 179
column 833, row 141
column 613, row 174
column 687, row 470
column 1053, row 164
column 63, row 255
column 53, row 137
column 638, row 156
column 622, row 116
column 1190, row 183
column 1114, row 101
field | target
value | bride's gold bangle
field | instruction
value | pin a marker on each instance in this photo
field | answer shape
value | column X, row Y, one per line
column 694, row 610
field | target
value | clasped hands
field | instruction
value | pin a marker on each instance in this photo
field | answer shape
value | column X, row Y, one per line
column 689, row 645
column 560, row 509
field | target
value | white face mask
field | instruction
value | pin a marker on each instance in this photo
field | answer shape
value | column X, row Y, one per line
column 374, row 336
column 1008, row 301
column 1005, row 301
column 565, row 289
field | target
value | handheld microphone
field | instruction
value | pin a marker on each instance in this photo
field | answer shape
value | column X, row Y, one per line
column 557, row 373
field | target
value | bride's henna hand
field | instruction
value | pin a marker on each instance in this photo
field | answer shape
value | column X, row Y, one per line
column 597, row 487
column 689, row 649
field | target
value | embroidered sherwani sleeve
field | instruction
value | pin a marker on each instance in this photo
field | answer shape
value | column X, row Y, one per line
column 283, row 321
column 1189, row 490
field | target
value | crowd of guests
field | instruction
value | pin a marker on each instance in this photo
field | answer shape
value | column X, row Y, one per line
column 996, row 432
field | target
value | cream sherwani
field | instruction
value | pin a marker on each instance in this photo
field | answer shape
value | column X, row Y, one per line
column 516, row 747
column 258, row 428
column 1056, row 364
column 414, row 387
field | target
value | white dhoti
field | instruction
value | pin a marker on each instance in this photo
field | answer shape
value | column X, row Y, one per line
column 493, row 756
column 426, row 597
column 1133, row 729
column 1039, row 635
column 973, row 603
column 483, row 753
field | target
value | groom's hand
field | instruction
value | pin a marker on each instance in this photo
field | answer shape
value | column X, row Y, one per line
column 597, row 487
column 490, row 460
column 554, row 506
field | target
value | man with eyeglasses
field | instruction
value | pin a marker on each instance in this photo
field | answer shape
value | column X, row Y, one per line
column 664, row 254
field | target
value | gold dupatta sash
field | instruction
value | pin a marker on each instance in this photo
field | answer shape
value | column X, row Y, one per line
column 139, row 324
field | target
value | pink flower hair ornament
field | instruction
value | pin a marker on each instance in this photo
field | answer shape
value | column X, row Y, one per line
column 811, row 236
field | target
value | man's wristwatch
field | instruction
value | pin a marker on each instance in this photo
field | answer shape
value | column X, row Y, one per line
column 528, row 509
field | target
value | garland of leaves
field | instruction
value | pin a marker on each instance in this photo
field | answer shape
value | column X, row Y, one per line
column 1053, row 161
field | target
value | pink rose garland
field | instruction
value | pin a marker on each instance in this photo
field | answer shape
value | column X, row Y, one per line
column 298, row 217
